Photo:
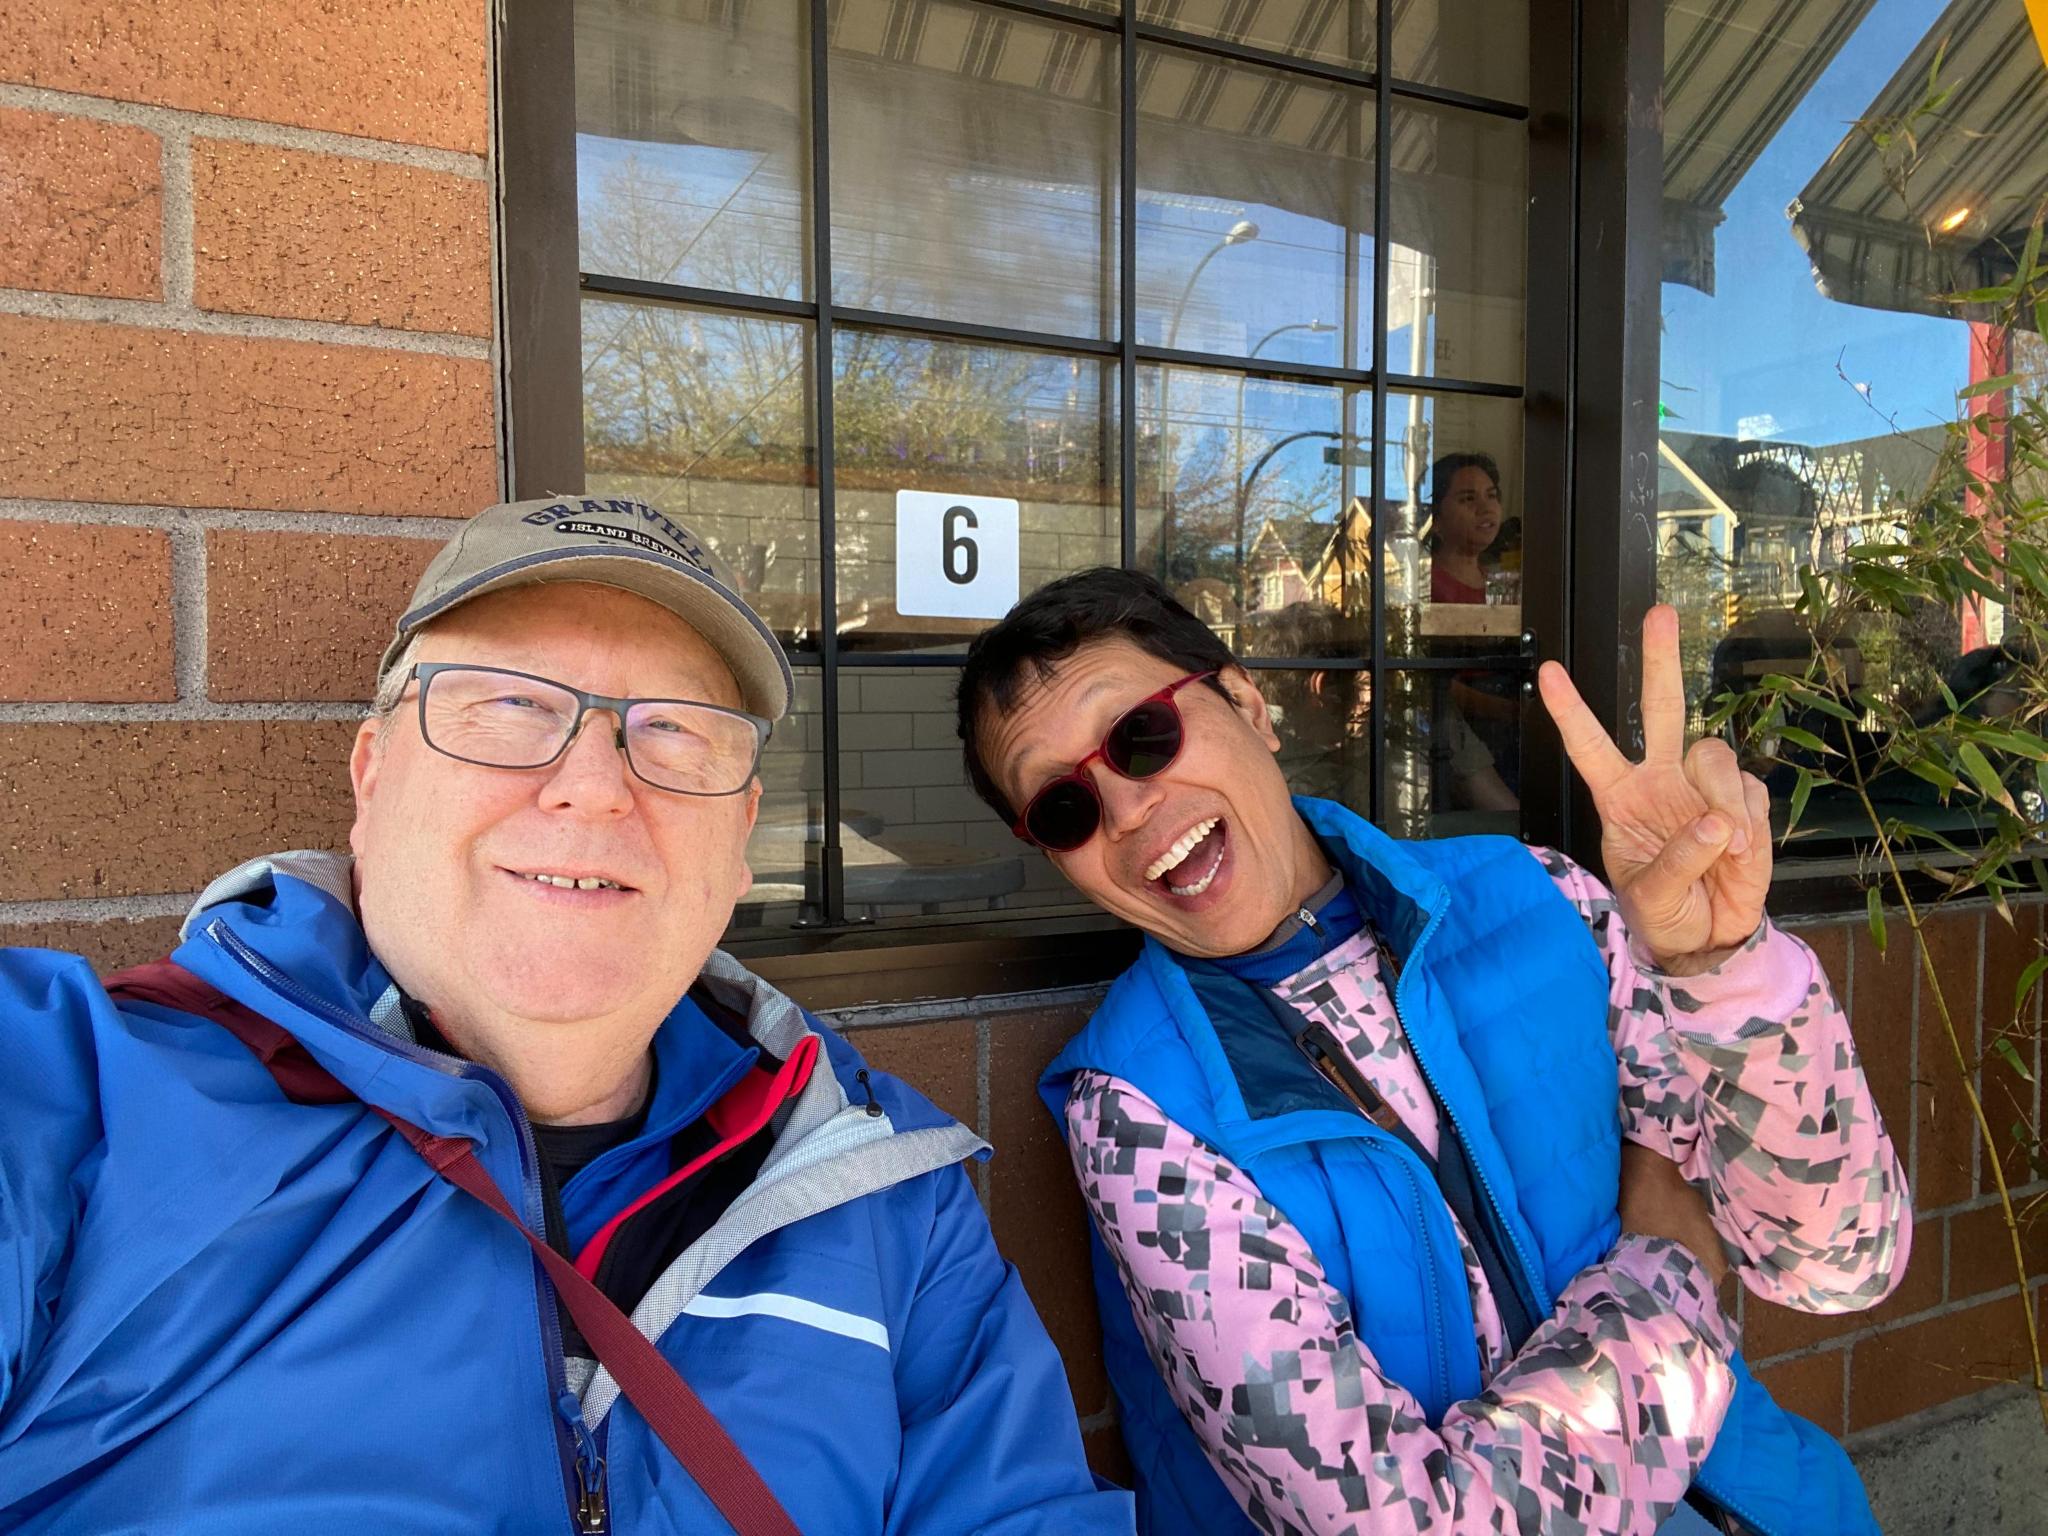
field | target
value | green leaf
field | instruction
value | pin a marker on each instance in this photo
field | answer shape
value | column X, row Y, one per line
column 1875, row 907
column 1927, row 768
column 2032, row 253
column 2035, row 970
column 1800, row 792
column 1984, row 776
column 1992, row 386
column 1806, row 739
column 2011, row 1057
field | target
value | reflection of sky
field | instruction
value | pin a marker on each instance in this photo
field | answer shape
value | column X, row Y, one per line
column 1765, row 347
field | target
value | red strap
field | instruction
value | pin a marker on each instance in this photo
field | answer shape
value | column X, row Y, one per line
column 650, row 1382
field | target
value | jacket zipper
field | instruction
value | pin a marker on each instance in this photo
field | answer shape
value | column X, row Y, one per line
column 592, row 1517
column 270, row 976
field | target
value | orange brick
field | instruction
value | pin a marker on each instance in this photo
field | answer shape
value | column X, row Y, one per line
column 1980, row 1248
column 112, row 945
column 1034, row 1205
column 412, row 71
column 1947, row 1130
column 303, row 615
column 85, row 613
column 163, row 806
column 81, row 206
column 1810, row 1386
column 1882, row 1022
column 2008, row 1096
column 330, row 237
column 122, row 414
column 1908, row 1370
column 1769, row 1330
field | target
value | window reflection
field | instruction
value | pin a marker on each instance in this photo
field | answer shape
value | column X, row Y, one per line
column 691, row 157
column 708, row 415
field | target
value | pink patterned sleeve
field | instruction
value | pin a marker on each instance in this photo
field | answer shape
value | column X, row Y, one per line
column 1597, row 1426
column 1747, row 1077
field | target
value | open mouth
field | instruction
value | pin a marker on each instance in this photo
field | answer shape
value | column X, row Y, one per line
column 1189, row 867
column 562, row 880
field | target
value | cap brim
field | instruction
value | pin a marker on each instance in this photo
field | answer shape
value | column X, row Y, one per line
column 700, row 600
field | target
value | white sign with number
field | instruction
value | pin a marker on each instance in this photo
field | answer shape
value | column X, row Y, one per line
column 956, row 556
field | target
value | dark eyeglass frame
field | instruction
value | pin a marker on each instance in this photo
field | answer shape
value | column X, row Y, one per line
column 1079, row 775
column 424, row 672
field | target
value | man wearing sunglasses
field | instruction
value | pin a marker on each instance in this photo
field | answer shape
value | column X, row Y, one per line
column 465, row 1186
column 1414, row 1168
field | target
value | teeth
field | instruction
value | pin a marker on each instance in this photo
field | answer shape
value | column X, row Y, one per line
column 571, row 883
column 1200, row 885
column 1171, row 859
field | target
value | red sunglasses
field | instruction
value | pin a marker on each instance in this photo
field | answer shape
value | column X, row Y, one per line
column 1140, row 742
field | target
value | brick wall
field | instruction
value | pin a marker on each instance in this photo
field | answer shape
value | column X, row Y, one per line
column 248, row 377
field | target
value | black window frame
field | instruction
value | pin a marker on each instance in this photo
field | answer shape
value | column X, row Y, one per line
column 1587, row 150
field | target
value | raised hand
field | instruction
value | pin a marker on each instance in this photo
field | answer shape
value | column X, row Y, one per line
column 1686, row 836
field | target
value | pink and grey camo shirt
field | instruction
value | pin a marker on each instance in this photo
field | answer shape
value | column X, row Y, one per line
column 1746, row 1077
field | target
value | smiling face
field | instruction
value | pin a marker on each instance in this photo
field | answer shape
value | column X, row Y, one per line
column 1468, row 518
column 1208, row 855
column 447, row 851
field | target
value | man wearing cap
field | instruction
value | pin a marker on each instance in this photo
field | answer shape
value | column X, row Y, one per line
column 335, row 1220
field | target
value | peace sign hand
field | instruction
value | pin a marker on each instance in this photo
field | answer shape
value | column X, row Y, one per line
column 1686, row 836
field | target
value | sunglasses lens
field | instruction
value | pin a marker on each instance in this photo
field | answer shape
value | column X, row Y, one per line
column 1063, row 815
column 1144, row 741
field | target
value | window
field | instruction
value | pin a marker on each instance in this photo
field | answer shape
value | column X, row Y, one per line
column 1810, row 363
column 1194, row 289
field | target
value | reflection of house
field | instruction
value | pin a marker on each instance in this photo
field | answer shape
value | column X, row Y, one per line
column 1299, row 559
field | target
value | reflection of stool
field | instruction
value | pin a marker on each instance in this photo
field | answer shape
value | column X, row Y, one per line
column 927, row 874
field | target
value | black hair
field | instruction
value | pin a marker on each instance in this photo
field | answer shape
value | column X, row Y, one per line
column 1054, row 622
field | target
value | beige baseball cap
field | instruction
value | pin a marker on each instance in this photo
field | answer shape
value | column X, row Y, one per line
column 615, row 542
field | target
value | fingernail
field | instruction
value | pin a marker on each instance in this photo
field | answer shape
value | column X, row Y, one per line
column 1739, row 843
column 1712, row 829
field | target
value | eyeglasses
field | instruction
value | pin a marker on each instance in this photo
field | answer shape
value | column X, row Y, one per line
column 1140, row 742
column 500, row 719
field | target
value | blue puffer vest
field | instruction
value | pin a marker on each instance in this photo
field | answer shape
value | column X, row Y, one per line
column 1503, row 995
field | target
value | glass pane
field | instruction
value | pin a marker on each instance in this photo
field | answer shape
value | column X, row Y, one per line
column 1456, row 524
column 692, row 136
column 974, row 167
column 1313, row 29
column 1255, row 203
column 1458, row 248
column 1024, row 426
column 1816, row 212
column 1477, row 46
column 918, row 841
column 707, row 416
column 1324, row 721
column 784, row 849
column 1454, row 753
column 1251, row 506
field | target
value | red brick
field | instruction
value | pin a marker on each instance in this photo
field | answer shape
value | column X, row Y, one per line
column 1040, row 1223
column 1980, row 1248
column 414, row 71
column 163, row 806
column 1909, row 1370
column 122, row 414
column 1944, row 1174
column 2008, row 1096
column 1810, row 1386
column 81, row 206
column 1881, row 1019
column 936, row 1059
column 1769, row 1330
column 111, row 945
column 85, row 613
column 303, row 615
column 332, row 237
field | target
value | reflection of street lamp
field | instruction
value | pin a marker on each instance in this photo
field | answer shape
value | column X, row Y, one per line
column 1243, row 232
column 1314, row 328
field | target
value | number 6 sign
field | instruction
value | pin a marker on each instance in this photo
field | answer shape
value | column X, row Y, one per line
column 956, row 556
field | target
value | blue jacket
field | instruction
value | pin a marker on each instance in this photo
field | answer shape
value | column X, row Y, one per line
column 224, row 1312
column 1504, row 998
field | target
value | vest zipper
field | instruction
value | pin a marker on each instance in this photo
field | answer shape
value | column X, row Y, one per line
column 592, row 1517
column 277, row 981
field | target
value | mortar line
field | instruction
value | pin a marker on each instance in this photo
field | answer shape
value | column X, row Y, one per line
column 161, row 120
column 147, row 314
column 188, row 614
column 1978, row 1151
column 238, row 519
column 184, row 711
column 93, row 909
column 177, row 256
